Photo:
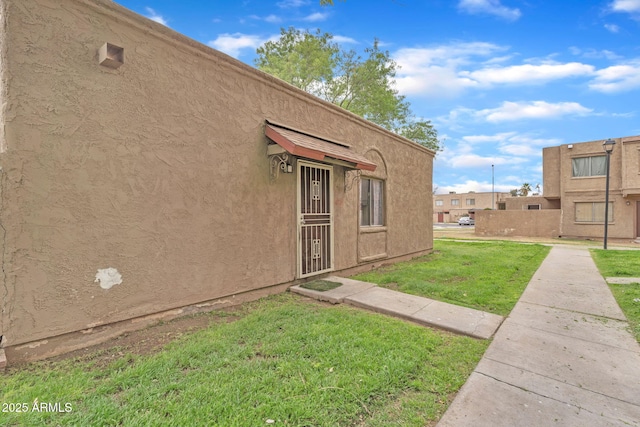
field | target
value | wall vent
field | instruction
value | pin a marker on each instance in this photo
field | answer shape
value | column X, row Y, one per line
column 111, row 56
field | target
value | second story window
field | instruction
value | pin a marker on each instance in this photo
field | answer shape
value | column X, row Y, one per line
column 588, row 166
column 439, row 203
column 471, row 202
column 455, row 202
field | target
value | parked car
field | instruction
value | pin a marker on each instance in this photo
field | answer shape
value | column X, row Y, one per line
column 465, row 220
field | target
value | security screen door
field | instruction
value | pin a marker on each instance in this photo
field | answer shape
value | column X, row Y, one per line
column 315, row 219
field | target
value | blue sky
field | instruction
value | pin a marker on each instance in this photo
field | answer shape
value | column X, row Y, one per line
column 500, row 79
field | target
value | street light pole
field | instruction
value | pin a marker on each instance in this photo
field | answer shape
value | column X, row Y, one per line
column 608, row 148
column 493, row 205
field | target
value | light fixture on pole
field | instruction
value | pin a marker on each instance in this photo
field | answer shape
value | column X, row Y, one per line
column 608, row 148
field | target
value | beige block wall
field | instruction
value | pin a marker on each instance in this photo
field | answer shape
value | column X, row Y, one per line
column 542, row 223
column 522, row 203
column 159, row 169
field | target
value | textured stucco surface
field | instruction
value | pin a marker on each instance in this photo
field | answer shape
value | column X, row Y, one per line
column 538, row 223
column 158, row 169
column 558, row 172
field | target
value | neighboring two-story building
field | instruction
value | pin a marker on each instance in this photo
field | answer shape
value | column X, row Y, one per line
column 573, row 203
column 450, row 207
column 575, row 177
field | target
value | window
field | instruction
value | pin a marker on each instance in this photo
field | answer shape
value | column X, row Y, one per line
column 533, row 207
column 589, row 166
column 455, row 202
column 502, row 206
column 471, row 202
column 592, row 212
column 371, row 202
column 439, row 203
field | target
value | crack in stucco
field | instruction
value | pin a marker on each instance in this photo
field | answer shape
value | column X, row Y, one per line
column 5, row 296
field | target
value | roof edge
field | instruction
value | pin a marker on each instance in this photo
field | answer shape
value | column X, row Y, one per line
column 171, row 36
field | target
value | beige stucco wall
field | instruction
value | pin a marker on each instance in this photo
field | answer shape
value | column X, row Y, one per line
column 542, row 223
column 592, row 189
column 159, row 170
column 522, row 203
column 551, row 177
column 630, row 168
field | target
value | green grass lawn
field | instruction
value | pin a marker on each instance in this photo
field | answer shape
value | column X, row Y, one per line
column 488, row 276
column 612, row 263
column 285, row 360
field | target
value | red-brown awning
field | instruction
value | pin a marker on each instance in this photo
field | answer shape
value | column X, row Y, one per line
column 314, row 148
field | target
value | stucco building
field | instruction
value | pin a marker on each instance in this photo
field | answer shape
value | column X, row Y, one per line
column 574, row 177
column 573, row 203
column 450, row 207
column 145, row 175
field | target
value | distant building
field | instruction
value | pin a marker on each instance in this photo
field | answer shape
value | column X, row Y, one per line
column 450, row 207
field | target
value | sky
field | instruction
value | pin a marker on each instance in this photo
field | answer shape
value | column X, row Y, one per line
column 499, row 79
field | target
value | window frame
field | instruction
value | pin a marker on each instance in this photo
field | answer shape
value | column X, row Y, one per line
column 470, row 202
column 372, row 221
column 594, row 214
column 457, row 202
column 590, row 173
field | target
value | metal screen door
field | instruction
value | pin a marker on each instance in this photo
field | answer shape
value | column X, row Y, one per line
column 315, row 219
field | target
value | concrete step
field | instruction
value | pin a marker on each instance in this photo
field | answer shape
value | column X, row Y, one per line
column 425, row 311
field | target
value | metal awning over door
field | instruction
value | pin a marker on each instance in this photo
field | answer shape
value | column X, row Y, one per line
column 311, row 147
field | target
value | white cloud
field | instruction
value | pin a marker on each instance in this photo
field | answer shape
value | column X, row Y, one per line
column 316, row 17
column 289, row 4
column 514, row 144
column 481, row 139
column 612, row 28
column 433, row 71
column 151, row 14
column 473, row 185
column 489, row 7
column 475, row 160
column 343, row 39
column 273, row 19
column 617, row 78
column 627, row 6
column 233, row 44
column 510, row 111
column 528, row 73
column 448, row 70
column 594, row 54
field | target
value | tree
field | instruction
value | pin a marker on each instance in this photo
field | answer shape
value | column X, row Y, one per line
column 525, row 189
column 364, row 86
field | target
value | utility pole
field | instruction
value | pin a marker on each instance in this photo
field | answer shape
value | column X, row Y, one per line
column 493, row 204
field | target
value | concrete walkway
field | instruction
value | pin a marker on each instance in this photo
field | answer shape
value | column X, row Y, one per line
column 563, row 357
column 461, row 320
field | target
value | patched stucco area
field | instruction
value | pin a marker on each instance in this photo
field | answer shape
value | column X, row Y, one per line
column 108, row 277
column 144, row 189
